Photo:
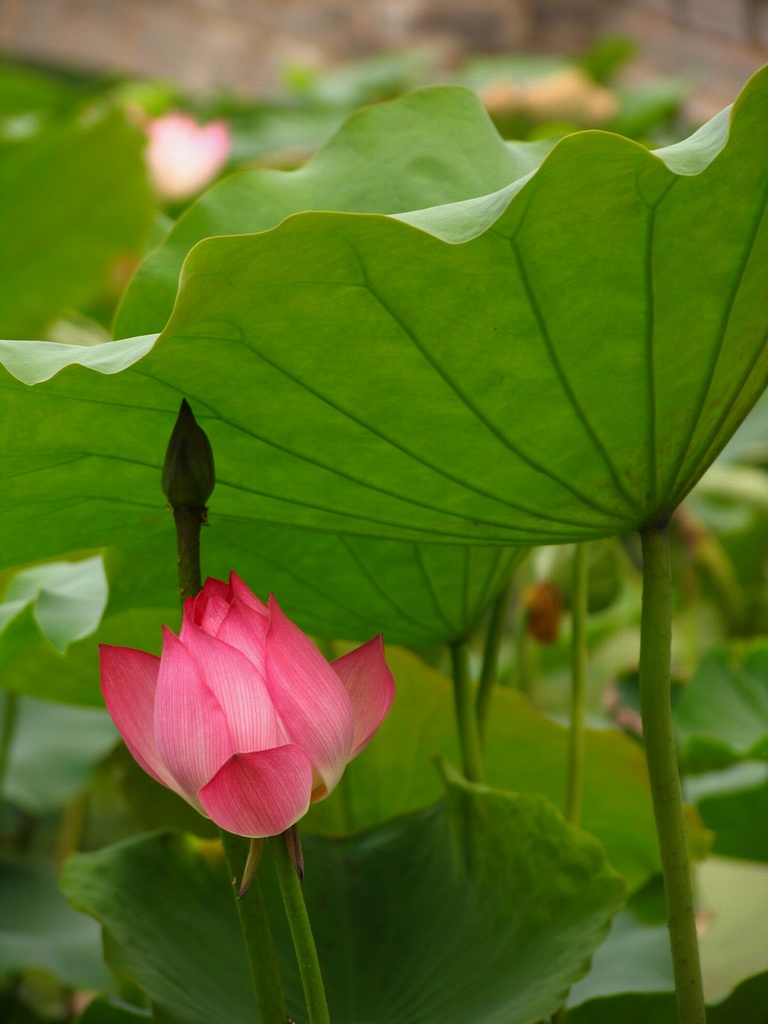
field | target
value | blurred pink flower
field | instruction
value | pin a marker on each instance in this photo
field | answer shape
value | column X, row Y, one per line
column 183, row 156
column 241, row 715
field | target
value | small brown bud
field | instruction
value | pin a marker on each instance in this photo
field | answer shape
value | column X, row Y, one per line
column 543, row 606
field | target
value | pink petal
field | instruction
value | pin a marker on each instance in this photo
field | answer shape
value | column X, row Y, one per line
column 246, row 630
column 260, row 794
column 310, row 699
column 209, row 607
column 240, row 688
column 245, row 594
column 128, row 684
column 190, row 725
column 371, row 688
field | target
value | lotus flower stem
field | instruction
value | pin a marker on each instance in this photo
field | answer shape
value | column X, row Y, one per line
column 466, row 715
column 257, row 935
column 656, row 707
column 490, row 669
column 575, row 786
column 252, row 913
column 575, row 778
column 301, row 931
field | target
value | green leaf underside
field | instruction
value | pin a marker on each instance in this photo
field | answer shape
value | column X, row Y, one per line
column 523, row 933
column 569, row 372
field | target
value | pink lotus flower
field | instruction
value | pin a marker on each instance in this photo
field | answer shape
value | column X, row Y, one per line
column 183, row 156
column 241, row 715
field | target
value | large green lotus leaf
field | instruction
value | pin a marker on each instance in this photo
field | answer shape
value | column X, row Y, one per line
column 554, row 377
column 394, row 911
column 722, row 716
column 413, row 428
column 74, row 201
column 525, row 752
column 431, row 147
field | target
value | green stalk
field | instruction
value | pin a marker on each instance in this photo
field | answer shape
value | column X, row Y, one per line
column 466, row 715
column 301, row 932
column 490, row 667
column 188, row 522
column 257, row 935
column 575, row 780
column 575, row 786
column 656, row 707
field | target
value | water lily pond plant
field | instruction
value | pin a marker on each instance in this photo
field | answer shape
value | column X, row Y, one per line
column 415, row 359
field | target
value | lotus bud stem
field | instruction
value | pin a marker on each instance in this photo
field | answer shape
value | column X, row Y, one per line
column 188, row 480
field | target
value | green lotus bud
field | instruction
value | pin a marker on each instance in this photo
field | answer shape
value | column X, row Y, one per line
column 188, row 472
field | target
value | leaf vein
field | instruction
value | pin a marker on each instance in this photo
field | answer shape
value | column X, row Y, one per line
column 452, row 626
column 718, row 348
column 566, row 385
column 378, row 588
column 359, row 481
column 471, row 406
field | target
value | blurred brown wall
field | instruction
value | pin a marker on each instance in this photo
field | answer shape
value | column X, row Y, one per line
column 243, row 44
